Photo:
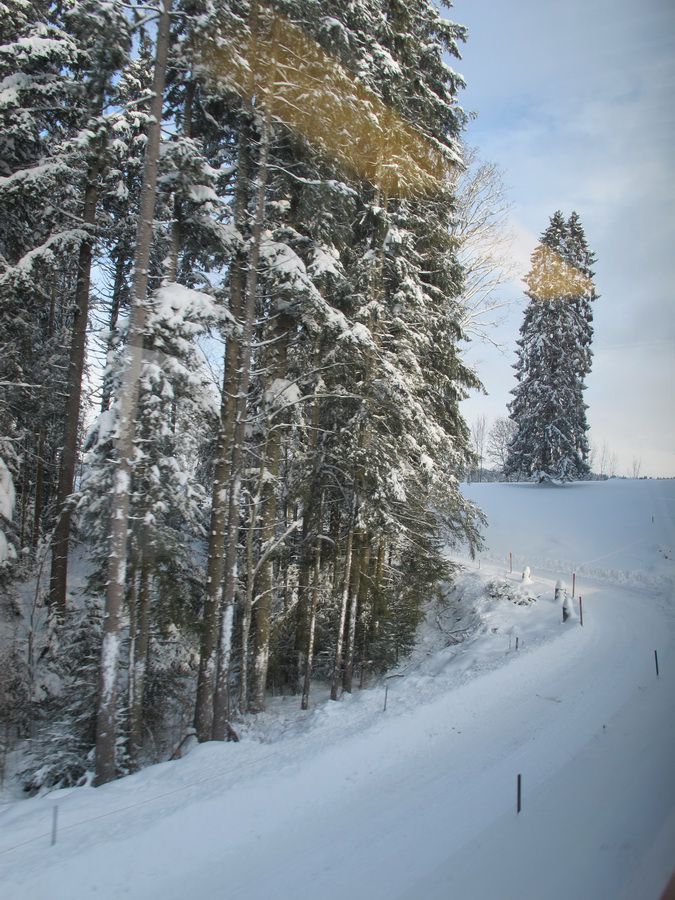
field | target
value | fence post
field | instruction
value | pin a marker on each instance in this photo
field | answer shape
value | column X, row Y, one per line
column 386, row 691
column 55, row 820
column 510, row 561
column 581, row 612
column 574, row 582
column 519, row 793
column 656, row 660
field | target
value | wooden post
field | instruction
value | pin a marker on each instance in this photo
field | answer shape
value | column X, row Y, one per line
column 519, row 793
column 656, row 660
column 574, row 581
column 516, row 643
column 386, row 691
column 581, row 612
column 510, row 561
column 55, row 820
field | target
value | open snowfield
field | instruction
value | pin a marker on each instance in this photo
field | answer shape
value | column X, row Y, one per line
column 419, row 801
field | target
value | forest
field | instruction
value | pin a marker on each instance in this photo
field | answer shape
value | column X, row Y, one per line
column 232, row 305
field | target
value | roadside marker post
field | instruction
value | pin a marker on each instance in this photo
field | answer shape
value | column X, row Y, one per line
column 386, row 692
column 574, row 581
column 55, row 820
column 510, row 561
column 581, row 612
column 519, row 787
column 656, row 660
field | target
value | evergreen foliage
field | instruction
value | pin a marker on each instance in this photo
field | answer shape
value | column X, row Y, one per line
column 62, row 753
column 554, row 359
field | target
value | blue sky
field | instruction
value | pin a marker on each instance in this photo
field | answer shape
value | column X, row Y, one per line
column 575, row 102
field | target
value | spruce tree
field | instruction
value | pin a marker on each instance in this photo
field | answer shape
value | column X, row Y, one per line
column 554, row 358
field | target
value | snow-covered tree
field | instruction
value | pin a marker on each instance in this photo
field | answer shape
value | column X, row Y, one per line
column 102, row 34
column 62, row 752
column 554, row 358
column 38, row 98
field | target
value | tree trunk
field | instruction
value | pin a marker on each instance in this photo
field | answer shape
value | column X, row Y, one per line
column 25, row 490
column 39, row 488
column 132, row 604
column 310, row 527
column 220, row 492
column 106, row 731
column 302, row 607
column 40, row 462
column 268, row 523
column 311, row 618
column 248, row 603
column 245, row 354
column 116, row 303
column 60, row 538
column 357, row 600
column 138, row 662
column 177, row 223
column 377, row 593
column 368, row 580
column 339, row 643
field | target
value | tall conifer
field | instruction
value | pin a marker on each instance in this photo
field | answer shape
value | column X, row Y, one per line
column 554, row 358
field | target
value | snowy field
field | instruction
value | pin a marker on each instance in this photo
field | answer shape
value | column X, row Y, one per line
column 419, row 801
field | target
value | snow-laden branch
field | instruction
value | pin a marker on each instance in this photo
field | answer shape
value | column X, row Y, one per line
column 294, row 526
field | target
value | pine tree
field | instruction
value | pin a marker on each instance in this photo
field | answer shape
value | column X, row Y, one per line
column 102, row 33
column 554, row 358
column 37, row 104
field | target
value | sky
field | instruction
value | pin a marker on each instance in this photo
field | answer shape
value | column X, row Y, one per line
column 575, row 102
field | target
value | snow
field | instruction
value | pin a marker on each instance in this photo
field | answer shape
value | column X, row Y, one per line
column 602, row 528
column 109, row 657
column 11, row 87
column 360, row 334
column 22, row 177
column 201, row 193
column 6, row 492
column 282, row 393
column 419, row 801
column 175, row 303
column 7, row 498
column 282, row 259
column 5, row 551
column 325, row 261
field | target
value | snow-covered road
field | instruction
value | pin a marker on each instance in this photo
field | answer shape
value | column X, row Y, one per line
column 416, row 803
